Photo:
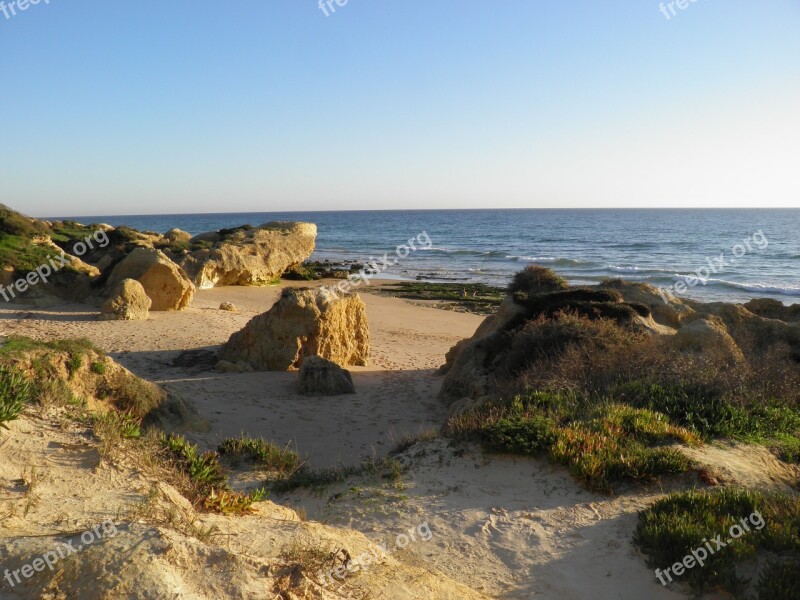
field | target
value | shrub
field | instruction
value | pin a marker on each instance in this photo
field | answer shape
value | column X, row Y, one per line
column 674, row 526
column 15, row 392
column 269, row 455
column 14, row 223
column 209, row 483
column 779, row 580
column 98, row 368
column 534, row 280
column 520, row 436
column 545, row 339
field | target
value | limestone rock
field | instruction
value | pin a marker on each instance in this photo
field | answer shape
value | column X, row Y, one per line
column 228, row 306
column 128, row 302
column 164, row 282
column 320, row 377
column 178, row 236
column 708, row 336
column 665, row 309
column 249, row 256
column 303, row 323
column 773, row 309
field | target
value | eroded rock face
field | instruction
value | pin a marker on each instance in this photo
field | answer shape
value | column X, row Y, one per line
column 773, row 309
column 303, row 323
column 665, row 309
column 164, row 282
column 128, row 302
column 320, row 377
column 708, row 336
column 249, row 256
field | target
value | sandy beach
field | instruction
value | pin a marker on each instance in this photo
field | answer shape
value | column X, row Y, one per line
column 396, row 393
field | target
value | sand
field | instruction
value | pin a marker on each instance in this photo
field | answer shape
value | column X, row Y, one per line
column 505, row 527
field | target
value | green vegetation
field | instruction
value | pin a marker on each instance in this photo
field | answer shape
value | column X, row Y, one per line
column 472, row 297
column 601, row 443
column 751, row 524
column 16, row 345
column 22, row 254
column 16, row 224
column 98, row 368
column 15, row 392
column 270, row 456
column 209, row 485
column 534, row 280
column 706, row 410
column 128, row 394
column 305, row 477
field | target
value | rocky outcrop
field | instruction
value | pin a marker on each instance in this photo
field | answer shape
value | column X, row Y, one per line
column 303, row 323
column 773, row 309
column 248, row 256
column 128, row 302
column 177, row 236
column 320, row 377
column 708, row 336
column 666, row 310
column 164, row 282
column 502, row 347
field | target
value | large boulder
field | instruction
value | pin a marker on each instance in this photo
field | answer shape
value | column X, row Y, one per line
column 708, row 336
column 177, row 236
column 303, row 323
column 249, row 256
column 164, row 282
column 128, row 302
column 320, row 377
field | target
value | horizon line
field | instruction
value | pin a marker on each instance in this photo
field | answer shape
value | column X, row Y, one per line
column 374, row 210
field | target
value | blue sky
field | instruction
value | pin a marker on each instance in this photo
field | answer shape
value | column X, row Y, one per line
column 172, row 107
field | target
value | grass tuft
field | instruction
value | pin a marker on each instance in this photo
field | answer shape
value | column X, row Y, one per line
column 15, row 392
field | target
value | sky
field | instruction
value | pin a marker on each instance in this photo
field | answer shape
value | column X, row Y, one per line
column 120, row 108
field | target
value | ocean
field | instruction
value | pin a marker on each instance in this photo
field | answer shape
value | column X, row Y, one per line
column 730, row 255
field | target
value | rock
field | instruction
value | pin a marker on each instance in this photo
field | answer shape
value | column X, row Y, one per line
column 708, row 336
column 178, row 236
column 254, row 256
column 225, row 366
column 773, row 309
column 164, row 282
column 302, row 323
column 320, row 377
column 666, row 310
column 228, row 306
column 128, row 302
column 508, row 312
